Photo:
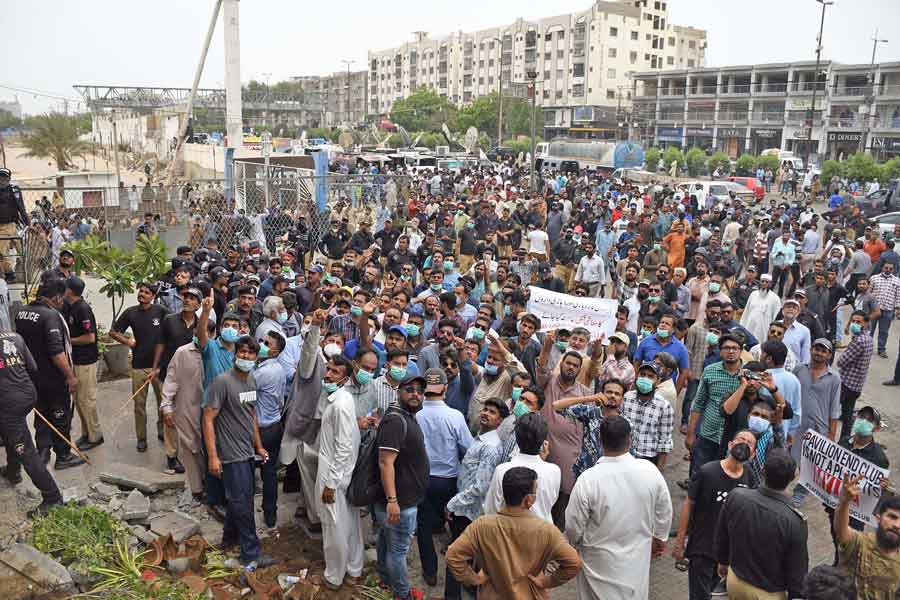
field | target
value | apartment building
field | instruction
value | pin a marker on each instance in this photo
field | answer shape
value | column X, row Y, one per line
column 580, row 63
column 331, row 92
column 741, row 109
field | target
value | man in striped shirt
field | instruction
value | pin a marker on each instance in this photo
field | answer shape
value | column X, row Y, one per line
column 886, row 289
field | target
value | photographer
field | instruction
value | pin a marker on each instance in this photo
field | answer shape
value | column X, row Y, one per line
column 736, row 409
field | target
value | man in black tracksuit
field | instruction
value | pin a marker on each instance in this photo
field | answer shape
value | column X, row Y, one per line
column 17, row 398
column 47, row 336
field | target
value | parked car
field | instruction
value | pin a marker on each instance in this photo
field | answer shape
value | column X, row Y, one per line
column 720, row 189
column 881, row 201
column 886, row 222
column 753, row 184
column 498, row 153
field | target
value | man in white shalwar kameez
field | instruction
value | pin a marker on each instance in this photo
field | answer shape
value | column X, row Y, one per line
column 338, row 448
column 618, row 516
column 762, row 308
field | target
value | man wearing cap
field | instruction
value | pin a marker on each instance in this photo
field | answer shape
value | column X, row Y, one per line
column 808, row 317
column 83, row 331
column 820, row 401
column 12, row 213
column 63, row 270
column 447, row 438
column 651, row 417
column 761, row 309
column 47, row 336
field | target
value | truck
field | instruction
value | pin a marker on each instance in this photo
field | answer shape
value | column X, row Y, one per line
column 574, row 155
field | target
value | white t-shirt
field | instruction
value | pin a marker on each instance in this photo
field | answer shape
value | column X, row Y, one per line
column 538, row 241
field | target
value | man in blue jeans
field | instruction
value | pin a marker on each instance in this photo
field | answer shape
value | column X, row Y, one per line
column 270, row 381
column 886, row 289
column 403, row 466
column 718, row 382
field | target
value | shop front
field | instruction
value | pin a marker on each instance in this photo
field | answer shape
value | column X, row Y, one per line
column 803, row 141
column 885, row 148
column 701, row 137
column 842, row 144
column 763, row 139
column 730, row 140
column 669, row 136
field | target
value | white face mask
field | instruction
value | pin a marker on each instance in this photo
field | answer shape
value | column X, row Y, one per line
column 331, row 349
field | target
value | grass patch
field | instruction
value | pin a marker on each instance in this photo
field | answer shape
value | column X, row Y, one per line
column 74, row 532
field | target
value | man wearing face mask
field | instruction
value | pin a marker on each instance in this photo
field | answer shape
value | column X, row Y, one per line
column 270, row 381
column 700, row 513
column 231, row 436
column 757, row 385
column 651, row 417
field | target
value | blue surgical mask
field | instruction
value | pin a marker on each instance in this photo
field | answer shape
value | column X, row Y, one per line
column 436, row 287
column 520, row 408
column 507, row 310
column 662, row 333
column 855, row 328
column 263, row 351
column 561, row 346
column 644, row 385
column 330, row 387
column 412, row 329
column 516, row 393
column 476, row 334
column 758, row 425
column 491, row 369
column 363, row 377
column 282, row 316
column 448, row 265
column 230, row 335
column 244, row 364
column 863, row 428
column 714, row 287
column 712, row 339
column 398, row 373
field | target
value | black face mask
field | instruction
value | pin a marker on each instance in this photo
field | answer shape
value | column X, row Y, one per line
column 741, row 452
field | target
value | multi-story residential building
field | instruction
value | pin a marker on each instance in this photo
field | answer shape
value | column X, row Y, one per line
column 580, row 62
column 331, row 91
column 751, row 108
column 12, row 107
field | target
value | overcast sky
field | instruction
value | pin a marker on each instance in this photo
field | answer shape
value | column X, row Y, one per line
column 52, row 44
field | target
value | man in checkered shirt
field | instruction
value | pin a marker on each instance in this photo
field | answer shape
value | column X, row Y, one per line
column 886, row 289
column 651, row 417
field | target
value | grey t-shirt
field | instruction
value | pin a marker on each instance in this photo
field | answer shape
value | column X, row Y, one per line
column 865, row 302
column 236, row 402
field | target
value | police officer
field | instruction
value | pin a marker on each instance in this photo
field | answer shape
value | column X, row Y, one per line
column 12, row 211
column 45, row 332
column 17, row 398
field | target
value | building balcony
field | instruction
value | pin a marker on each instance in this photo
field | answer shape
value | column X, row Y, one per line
column 857, row 92
column 702, row 91
column 807, row 87
column 670, row 118
column 732, row 116
column 767, row 118
column 853, row 122
column 888, row 91
column 796, row 117
column 770, row 89
column 675, row 92
column 701, row 116
column 886, row 124
column 735, row 90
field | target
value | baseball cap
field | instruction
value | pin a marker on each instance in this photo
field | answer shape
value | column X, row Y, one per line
column 217, row 272
column 193, row 292
column 435, row 380
column 649, row 364
column 398, row 329
column 790, row 301
column 4, row 172
column 66, row 251
column 413, row 379
column 76, row 284
column 800, row 292
column 315, row 269
column 620, row 337
column 823, row 342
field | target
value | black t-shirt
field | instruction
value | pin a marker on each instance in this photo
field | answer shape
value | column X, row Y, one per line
column 17, row 391
column 709, row 489
column 468, row 242
column 45, row 333
column 146, row 325
column 175, row 334
column 411, row 466
column 81, row 320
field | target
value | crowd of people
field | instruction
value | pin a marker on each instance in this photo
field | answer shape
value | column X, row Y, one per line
column 397, row 370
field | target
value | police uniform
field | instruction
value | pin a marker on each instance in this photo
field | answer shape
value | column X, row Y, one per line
column 46, row 334
column 17, row 399
column 12, row 211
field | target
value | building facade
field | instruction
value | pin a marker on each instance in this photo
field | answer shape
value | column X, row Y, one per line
column 742, row 109
column 581, row 63
column 331, row 92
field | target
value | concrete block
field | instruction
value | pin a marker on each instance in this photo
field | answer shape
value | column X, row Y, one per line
column 136, row 507
column 178, row 524
column 27, row 573
column 146, row 480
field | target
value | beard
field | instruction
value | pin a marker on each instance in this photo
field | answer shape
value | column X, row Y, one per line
column 887, row 539
column 566, row 378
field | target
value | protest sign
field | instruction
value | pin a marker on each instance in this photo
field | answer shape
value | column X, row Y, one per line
column 564, row 311
column 823, row 466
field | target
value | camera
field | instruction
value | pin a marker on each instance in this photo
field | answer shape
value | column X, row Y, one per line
column 752, row 375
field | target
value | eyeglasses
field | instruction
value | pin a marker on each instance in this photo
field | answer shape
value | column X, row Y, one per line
column 730, row 349
column 413, row 389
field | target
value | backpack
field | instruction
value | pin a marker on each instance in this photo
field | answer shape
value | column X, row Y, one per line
column 365, row 482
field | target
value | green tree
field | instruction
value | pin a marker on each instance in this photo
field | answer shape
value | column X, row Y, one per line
column 719, row 159
column 695, row 159
column 672, row 153
column 890, row 170
column 745, row 164
column 830, row 168
column 651, row 159
column 395, row 141
column 423, row 110
column 55, row 136
column 521, row 144
column 768, row 162
column 861, row 167
column 432, row 140
column 482, row 114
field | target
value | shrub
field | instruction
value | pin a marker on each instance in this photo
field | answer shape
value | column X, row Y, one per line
column 651, row 159
column 695, row 159
column 746, row 164
column 719, row 159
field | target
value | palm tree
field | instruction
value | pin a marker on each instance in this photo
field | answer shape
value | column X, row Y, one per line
column 55, row 136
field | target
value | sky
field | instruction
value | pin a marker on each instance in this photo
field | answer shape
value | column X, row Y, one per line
column 49, row 46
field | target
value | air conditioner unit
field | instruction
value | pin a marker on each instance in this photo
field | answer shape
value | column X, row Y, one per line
column 442, row 149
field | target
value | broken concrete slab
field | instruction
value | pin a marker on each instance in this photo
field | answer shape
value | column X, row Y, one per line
column 27, row 573
column 147, row 537
column 136, row 507
column 73, row 494
column 177, row 524
column 146, row 480
column 105, row 490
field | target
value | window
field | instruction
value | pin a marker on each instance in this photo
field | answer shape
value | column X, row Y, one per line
column 559, row 74
column 634, row 35
column 611, row 73
column 690, row 62
column 546, row 94
column 560, row 54
column 578, row 90
column 612, row 52
column 670, row 60
column 613, row 32
column 546, row 74
column 490, row 81
column 548, row 55
column 578, row 70
column 481, row 81
column 481, row 64
column 562, row 34
column 692, row 44
column 671, row 41
column 548, row 37
column 653, row 62
column 559, row 94
column 610, row 94
column 632, row 57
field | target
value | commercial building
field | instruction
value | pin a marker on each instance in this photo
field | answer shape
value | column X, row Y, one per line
column 741, row 109
column 581, row 63
column 331, row 91
column 13, row 107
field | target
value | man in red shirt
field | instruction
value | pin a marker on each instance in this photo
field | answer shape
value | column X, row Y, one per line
column 874, row 245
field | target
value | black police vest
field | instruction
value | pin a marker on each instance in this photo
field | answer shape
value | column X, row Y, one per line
column 9, row 213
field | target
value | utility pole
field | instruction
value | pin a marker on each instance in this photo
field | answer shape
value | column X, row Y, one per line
column 348, row 63
column 115, row 144
column 870, row 96
column 500, row 92
column 812, row 111
column 532, row 75
column 233, row 118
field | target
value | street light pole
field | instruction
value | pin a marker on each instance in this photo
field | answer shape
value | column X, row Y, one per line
column 870, row 97
column 266, row 150
column 532, row 75
column 812, row 111
column 348, row 63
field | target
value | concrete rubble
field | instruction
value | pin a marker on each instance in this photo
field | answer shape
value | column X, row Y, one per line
column 27, row 573
column 180, row 525
column 136, row 507
column 146, row 480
